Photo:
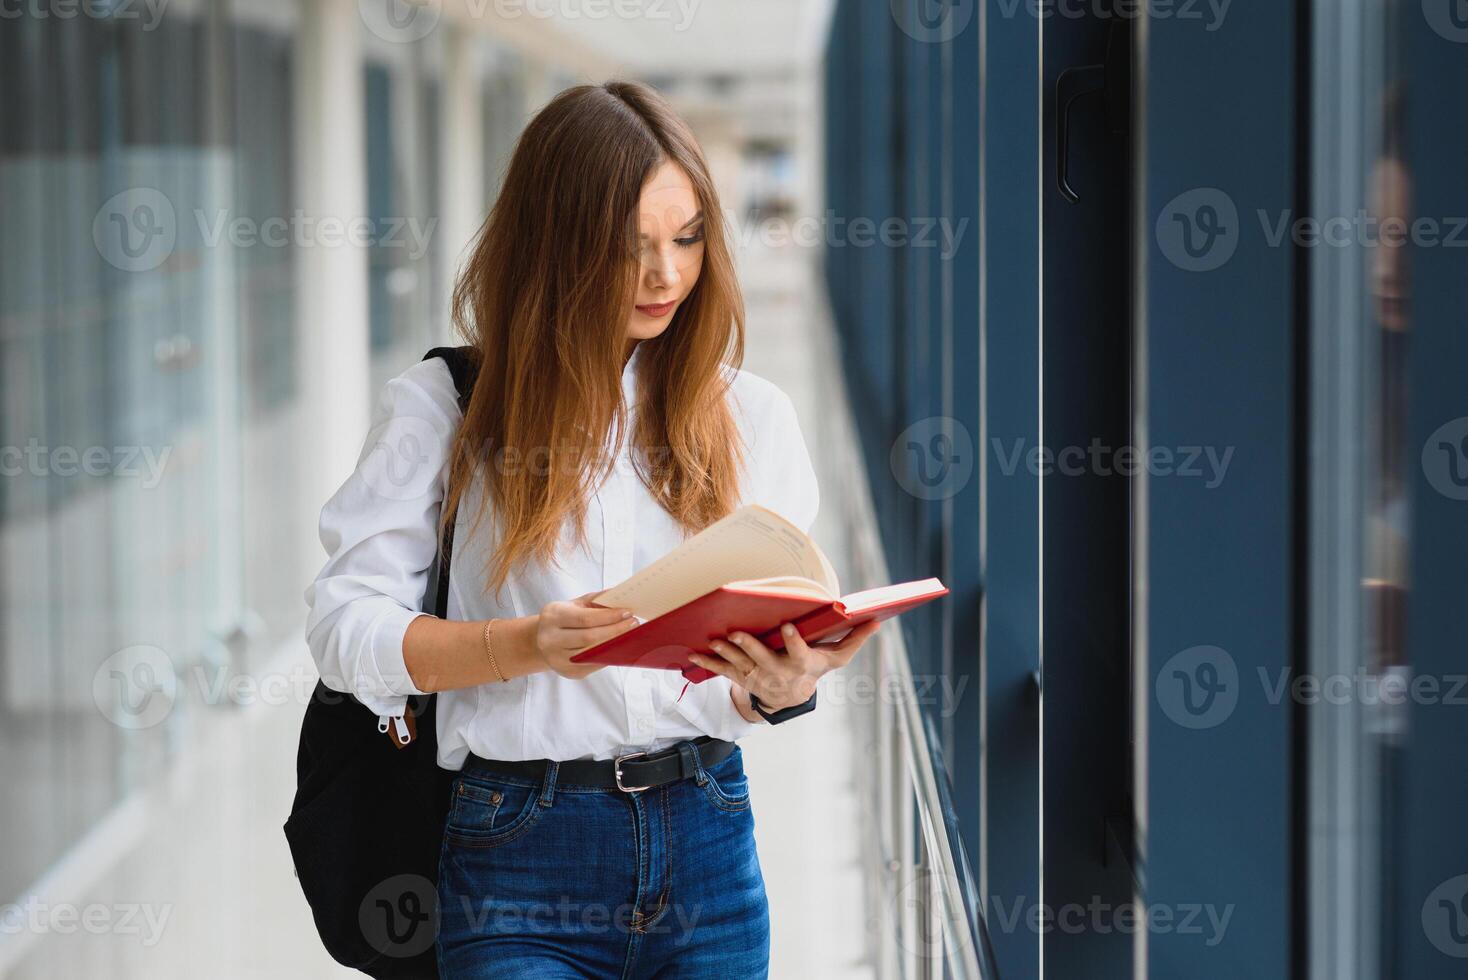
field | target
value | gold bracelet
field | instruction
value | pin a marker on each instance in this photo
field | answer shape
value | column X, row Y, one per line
column 489, row 649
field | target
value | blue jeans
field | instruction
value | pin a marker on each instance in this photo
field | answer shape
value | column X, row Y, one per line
column 548, row 880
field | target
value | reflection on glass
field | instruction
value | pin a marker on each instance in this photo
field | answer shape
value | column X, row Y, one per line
column 1389, row 273
column 1385, row 483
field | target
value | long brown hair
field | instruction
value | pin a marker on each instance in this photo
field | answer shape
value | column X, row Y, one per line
column 544, row 300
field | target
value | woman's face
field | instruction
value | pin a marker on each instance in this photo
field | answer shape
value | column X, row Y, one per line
column 1391, row 200
column 670, row 250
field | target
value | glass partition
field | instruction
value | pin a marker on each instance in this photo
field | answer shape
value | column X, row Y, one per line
column 141, row 156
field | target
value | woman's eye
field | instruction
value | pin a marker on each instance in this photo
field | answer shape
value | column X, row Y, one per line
column 688, row 242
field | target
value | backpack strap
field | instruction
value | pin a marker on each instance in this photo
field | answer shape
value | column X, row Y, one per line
column 463, row 364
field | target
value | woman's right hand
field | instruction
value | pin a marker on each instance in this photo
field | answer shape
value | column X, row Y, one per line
column 563, row 629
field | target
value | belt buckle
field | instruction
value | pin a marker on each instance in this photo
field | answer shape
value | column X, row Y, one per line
column 617, row 771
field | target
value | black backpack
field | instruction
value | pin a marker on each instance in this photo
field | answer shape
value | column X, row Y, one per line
column 366, row 825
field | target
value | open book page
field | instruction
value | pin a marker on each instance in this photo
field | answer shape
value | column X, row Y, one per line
column 791, row 585
column 869, row 598
column 752, row 543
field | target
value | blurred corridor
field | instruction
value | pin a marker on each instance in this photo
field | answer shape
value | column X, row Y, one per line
column 1139, row 324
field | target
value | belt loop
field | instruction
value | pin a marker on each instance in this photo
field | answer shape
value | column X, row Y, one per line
column 687, row 750
column 548, row 785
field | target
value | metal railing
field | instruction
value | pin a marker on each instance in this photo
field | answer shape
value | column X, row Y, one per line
column 926, row 909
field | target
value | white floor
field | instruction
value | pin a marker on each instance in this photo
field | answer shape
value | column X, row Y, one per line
column 210, row 870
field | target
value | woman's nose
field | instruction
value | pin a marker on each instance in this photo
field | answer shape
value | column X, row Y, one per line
column 662, row 269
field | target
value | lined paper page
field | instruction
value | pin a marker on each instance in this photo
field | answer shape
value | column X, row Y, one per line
column 753, row 542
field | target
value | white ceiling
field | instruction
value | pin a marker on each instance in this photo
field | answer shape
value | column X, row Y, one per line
column 697, row 37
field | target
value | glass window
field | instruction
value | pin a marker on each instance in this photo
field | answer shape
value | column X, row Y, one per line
column 504, row 115
column 132, row 323
column 407, row 307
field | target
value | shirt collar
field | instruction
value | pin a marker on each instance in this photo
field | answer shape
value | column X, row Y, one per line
column 629, row 372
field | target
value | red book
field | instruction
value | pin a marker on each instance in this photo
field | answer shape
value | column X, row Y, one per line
column 751, row 571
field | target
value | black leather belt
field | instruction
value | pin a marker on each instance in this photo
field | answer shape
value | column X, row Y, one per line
column 633, row 771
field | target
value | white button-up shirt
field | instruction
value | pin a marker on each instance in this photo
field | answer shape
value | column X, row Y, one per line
column 379, row 531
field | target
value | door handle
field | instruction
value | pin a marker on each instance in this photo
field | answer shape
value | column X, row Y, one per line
column 1112, row 78
column 1073, row 84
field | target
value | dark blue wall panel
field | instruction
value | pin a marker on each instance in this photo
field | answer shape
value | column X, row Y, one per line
column 1219, row 330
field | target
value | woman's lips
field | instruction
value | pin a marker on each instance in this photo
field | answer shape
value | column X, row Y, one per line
column 657, row 312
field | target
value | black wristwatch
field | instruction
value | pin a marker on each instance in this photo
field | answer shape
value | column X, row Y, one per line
column 784, row 714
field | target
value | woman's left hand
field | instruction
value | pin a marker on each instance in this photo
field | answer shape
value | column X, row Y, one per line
column 781, row 679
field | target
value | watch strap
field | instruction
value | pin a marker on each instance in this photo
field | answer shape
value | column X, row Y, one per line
column 783, row 714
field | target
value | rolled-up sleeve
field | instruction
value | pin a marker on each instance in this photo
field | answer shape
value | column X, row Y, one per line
column 380, row 532
column 710, row 707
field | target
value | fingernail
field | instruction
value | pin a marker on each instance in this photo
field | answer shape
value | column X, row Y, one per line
column 626, row 613
column 788, row 630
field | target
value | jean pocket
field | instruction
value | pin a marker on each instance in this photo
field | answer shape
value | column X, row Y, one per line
column 727, row 786
column 486, row 812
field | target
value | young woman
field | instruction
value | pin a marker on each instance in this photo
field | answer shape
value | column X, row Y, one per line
column 600, row 822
